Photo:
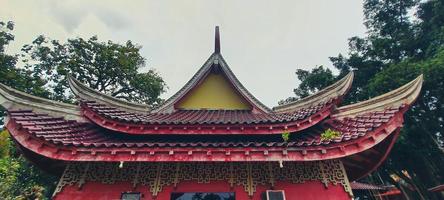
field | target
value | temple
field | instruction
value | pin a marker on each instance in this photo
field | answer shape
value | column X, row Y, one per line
column 211, row 140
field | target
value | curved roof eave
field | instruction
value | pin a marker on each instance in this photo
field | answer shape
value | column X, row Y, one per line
column 78, row 151
column 335, row 90
column 12, row 99
column 86, row 93
column 404, row 95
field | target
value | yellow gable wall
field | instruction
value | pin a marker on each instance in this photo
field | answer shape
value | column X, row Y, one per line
column 215, row 92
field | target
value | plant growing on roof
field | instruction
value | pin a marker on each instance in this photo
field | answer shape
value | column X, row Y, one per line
column 330, row 134
column 286, row 136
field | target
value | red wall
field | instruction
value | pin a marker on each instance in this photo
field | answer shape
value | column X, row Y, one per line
column 313, row 190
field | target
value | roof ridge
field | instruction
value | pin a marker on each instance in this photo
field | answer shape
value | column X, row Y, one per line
column 242, row 87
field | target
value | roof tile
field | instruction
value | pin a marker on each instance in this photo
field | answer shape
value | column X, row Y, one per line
column 68, row 132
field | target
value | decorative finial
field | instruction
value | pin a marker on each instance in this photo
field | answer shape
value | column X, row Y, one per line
column 217, row 41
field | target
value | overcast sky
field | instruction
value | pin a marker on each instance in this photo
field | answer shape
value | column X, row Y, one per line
column 264, row 42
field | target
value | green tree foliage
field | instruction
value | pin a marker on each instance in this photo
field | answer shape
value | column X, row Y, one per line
column 389, row 29
column 420, row 148
column 395, row 51
column 430, row 32
column 319, row 77
column 19, row 179
column 311, row 81
column 10, row 74
column 108, row 67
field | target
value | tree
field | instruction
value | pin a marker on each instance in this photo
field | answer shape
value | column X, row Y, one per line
column 10, row 74
column 395, row 51
column 420, row 148
column 390, row 29
column 18, row 179
column 430, row 32
column 311, row 81
column 105, row 66
column 108, row 67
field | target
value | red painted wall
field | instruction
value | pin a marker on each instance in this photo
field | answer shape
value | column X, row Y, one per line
column 312, row 190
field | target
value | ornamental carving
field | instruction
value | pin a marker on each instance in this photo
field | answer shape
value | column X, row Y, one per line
column 246, row 174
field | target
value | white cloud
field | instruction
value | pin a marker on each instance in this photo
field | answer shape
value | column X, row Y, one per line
column 263, row 41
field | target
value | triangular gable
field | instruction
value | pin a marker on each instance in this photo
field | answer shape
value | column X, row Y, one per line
column 214, row 92
column 215, row 61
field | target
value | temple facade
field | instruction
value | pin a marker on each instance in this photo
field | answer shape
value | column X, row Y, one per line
column 212, row 140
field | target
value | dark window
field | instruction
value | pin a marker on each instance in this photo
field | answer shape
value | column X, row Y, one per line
column 273, row 195
column 202, row 196
column 131, row 196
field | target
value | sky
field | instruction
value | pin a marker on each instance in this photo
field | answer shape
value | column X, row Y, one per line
column 263, row 42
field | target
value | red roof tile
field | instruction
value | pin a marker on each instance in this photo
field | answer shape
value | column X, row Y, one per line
column 222, row 122
column 203, row 116
column 69, row 140
column 68, row 132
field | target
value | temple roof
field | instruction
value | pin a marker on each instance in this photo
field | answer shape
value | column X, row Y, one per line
column 293, row 118
column 212, row 118
column 103, row 128
column 67, row 133
column 365, row 137
column 205, row 121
